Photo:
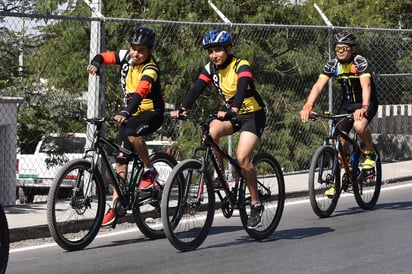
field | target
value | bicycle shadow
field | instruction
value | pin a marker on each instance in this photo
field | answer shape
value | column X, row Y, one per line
column 387, row 206
column 288, row 234
column 395, row 206
column 118, row 243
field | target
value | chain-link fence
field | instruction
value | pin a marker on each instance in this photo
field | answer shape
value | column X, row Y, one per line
column 44, row 59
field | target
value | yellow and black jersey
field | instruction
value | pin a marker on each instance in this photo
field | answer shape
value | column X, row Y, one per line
column 141, row 81
column 234, row 80
column 348, row 76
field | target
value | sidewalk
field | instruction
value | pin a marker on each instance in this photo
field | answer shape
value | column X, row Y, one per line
column 29, row 221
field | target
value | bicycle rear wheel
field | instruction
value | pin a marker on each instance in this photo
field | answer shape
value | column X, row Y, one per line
column 188, row 206
column 146, row 208
column 4, row 241
column 368, row 183
column 75, row 205
column 271, row 188
column 322, row 176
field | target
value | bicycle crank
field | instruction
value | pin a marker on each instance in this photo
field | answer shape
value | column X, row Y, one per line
column 227, row 208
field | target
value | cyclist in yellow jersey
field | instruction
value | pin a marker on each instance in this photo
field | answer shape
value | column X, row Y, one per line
column 144, row 104
column 359, row 96
column 244, row 108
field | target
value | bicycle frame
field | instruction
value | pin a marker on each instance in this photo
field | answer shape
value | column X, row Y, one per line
column 207, row 145
column 99, row 152
column 325, row 180
column 344, row 157
column 336, row 134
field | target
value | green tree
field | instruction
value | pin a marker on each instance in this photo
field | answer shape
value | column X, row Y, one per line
column 60, row 54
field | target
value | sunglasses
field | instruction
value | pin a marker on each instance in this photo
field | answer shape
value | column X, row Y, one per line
column 337, row 49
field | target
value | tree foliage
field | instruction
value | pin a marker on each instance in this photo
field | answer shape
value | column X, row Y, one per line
column 281, row 58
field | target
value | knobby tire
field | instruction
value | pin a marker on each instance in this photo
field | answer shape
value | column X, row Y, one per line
column 186, row 219
column 146, row 207
column 367, row 191
column 75, row 205
column 4, row 241
column 322, row 174
column 271, row 188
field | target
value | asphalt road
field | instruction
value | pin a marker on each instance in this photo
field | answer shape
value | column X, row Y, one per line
column 350, row 241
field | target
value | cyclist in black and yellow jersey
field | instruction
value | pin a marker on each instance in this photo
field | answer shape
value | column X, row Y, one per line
column 359, row 96
column 144, row 104
column 244, row 109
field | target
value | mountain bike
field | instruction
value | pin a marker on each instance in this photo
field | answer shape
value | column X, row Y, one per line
column 4, row 241
column 341, row 150
column 77, row 197
column 188, row 202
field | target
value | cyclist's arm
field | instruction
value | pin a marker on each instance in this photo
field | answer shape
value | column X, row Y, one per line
column 313, row 95
column 191, row 96
column 244, row 77
column 365, row 82
column 105, row 58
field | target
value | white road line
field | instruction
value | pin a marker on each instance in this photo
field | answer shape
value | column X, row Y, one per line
column 134, row 230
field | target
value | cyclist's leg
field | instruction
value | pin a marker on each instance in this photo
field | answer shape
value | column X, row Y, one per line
column 138, row 127
column 251, row 126
column 361, row 127
column 247, row 142
column 121, row 170
column 217, row 130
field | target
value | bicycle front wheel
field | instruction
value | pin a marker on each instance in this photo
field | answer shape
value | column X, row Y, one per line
column 75, row 205
column 188, row 206
column 323, row 176
column 271, row 188
column 4, row 241
column 367, row 185
column 146, row 208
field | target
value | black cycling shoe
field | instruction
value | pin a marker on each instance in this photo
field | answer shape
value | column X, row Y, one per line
column 255, row 219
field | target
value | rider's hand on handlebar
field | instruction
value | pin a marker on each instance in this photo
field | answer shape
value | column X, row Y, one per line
column 359, row 114
column 176, row 114
column 121, row 116
column 226, row 115
column 305, row 112
column 304, row 115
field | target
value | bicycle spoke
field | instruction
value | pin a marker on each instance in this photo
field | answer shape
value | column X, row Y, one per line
column 75, row 206
column 367, row 185
column 146, row 210
column 322, row 177
column 187, row 206
column 270, row 184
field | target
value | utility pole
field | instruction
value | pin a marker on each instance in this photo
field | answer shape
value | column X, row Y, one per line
column 330, row 46
column 227, row 21
column 93, row 87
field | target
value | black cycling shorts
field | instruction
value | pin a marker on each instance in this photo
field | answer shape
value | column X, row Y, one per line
column 141, row 125
column 346, row 125
column 254, row 122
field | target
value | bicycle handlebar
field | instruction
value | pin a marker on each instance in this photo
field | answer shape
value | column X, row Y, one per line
column 329, row 116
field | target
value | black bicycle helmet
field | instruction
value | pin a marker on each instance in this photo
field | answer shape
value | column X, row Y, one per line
column 142, row 36
column 345, row 38
column 217, row 38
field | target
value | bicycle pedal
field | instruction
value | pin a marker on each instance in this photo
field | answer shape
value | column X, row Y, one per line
column 368, row 174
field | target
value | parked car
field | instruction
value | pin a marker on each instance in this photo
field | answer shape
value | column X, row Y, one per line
column 35, row 172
